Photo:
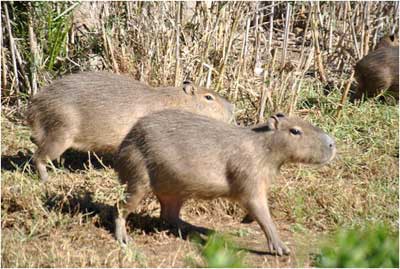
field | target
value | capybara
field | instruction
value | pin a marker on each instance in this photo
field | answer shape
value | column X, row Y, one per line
column 387, row 42
column 378, row 71
column 180, row 155
column 93, row 111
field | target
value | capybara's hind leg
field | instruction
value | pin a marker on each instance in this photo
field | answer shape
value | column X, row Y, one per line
column 134, row 196
column 132, row 171
column 51, row 148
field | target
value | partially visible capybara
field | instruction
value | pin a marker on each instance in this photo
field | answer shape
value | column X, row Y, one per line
column 387, row 42
column 379, row 70
column 93, row 111
column 179, row 155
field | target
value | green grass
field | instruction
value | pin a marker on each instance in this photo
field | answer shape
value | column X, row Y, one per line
column 220, row 252
column 361, row 183
column 371, row 246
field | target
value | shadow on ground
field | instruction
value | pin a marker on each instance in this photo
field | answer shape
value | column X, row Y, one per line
column 105, row 216
column 70, row 160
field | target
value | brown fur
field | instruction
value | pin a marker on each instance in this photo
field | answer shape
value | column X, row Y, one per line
column 378, row 71
column 93, row 111
column 387, row 42
column 180, row 155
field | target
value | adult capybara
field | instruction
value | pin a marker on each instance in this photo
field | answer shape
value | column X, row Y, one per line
column 93, row 111
column 181, row 155
column 379, row 70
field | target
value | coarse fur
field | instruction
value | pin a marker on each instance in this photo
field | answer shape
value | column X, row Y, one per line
column 93, row 111
column 179, row 155
column 378, row 71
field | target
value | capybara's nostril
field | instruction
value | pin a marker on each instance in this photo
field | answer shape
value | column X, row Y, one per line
column 329, row 141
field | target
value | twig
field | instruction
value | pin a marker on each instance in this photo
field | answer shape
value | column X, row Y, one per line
column 67, row 10
column 304, row 40
column 242, row 61
column 228, row 48
column 22, row 68
column 353, row 32
column 307, row 65
column 209, row 75
column 271, row 27
column 318, row 57
column 367, row 28
column 263, row 102
column 3, row 65
column 107, row 42
column 331, row 19
column 344, row 96
column 33, row 47
column 257, row 35
column 286, row 34
column 177, row 33
column 13, row 57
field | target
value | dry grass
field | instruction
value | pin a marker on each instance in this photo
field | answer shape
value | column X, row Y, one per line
column 255, row 53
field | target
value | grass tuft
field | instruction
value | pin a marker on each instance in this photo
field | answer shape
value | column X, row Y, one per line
column 370, row 246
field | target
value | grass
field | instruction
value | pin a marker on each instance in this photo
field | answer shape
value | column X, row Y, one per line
column 218, row 252
column 370, row 246
column 363, row 180
column 67, row 222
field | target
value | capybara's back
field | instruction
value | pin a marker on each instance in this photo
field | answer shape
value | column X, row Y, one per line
column 378, row 71
column 95, row 110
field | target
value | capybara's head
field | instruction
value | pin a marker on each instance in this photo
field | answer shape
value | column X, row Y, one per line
column 388, row 41
column 299, row 141
column 209, row 103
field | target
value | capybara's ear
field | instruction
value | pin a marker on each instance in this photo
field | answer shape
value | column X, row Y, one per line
column 274, row 120
column 188, row 87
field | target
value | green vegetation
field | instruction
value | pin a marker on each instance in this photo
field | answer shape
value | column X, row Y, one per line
column 371, row 246
column 220, row 252
column 361, row 184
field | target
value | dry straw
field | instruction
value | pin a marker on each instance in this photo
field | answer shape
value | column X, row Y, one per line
column 259, row 54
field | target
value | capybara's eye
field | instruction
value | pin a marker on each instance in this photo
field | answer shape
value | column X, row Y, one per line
column 280, row 115
column 295, row 131
column 209, row 97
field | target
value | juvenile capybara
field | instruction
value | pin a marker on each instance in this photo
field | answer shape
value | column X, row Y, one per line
column 379, row 70
column 180, row 155
column 93, row 111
